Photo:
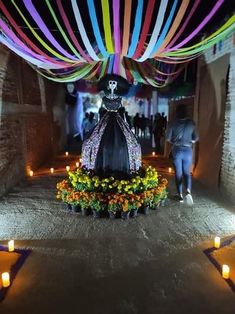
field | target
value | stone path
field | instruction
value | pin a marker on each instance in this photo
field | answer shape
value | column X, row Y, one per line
column 152, row 264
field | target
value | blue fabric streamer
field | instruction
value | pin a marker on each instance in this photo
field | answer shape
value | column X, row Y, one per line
column 136, row 31
column 165, row 29
column 111, row 61
column 96, row 29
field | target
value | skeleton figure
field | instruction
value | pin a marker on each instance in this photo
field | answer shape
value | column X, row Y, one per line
column 112, row 86
column 112, row 149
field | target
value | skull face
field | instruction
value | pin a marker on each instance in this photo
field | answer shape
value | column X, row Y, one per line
column 70, row 87
column 112, row 86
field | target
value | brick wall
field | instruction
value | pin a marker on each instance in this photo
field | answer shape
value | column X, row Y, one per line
column 30, row 132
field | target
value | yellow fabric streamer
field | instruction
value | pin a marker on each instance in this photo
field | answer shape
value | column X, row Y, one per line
column 107, row 28
column 230, row 22
column 56, row 54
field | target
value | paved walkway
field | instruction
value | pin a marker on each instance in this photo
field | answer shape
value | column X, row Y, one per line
column 152, row 264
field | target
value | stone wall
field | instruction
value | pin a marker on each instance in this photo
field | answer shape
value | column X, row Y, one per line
column 214, row 112
column 227, row 178
column 30, row 131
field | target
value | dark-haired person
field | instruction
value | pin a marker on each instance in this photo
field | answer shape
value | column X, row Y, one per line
column 182, row 133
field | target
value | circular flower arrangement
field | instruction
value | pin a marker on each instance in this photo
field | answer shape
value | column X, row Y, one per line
column 83, row 188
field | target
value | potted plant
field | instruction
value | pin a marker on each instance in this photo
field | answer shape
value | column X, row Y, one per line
column 113, row 207
column 96, row 204
column 84, row 203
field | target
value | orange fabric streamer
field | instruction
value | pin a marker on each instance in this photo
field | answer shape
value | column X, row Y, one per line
column 126, row 28
column 174, row 26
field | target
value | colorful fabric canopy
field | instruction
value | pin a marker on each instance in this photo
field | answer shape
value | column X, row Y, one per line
column 144, row 41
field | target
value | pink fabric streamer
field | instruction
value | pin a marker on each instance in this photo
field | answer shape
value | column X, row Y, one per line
column 116, row 26
column 38, row 20
column 200, row 26
column 196, row 3
column 70, row 31
column 116, row 35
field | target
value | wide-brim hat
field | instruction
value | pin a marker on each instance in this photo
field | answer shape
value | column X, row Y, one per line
column 122, row 84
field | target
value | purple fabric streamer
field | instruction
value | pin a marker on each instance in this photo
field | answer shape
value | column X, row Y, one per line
column 33, row 12
column 197, row 2
column 116, row 26
column 200, row 26
column 17, row 41
column 116, row 68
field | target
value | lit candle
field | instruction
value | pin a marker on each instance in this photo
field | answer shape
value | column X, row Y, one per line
column 66, row 153
column 225, row 271
column 67, row 168
column 153, row 153
column 5, row 280
column 31, row 173
column 80, row 159
column 77, row 164
column 169, row 169
column 217, row 242
column 11, row 246
column 52, row 170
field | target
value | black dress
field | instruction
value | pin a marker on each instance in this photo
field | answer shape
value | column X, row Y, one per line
column 112, row 148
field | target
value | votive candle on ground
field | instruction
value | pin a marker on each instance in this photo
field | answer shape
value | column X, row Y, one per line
column 217, row 242
column 31, row 173
column 77, row 164
column 66, row 153
column 67, row 168
column 11, row 246
column 5, row 280
column 225, row 271
column 169, row 169
column 153, row 154
column 52, row 170
column 80, row 159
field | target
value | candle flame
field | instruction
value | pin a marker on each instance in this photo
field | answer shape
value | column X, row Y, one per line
column 5, row 279
column 11, row 246
column 225, row 271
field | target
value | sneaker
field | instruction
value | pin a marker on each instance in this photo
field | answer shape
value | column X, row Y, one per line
column 189, row 199
column 181, row 199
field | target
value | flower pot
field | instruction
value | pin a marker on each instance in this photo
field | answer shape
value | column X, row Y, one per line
column 68, row 206
column 125, row 215
column 84, row 211
column 112, row 215
column 95, row 214
column 134, row 213
column 146, row 210
column 76, row 208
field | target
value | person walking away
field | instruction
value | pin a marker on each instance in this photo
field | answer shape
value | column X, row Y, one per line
column 136, row 124
column 143, row 125
column 158, row 131
column 85, row 126
column 182, row 133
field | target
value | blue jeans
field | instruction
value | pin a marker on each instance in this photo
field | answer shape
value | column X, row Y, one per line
column 182, row 160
